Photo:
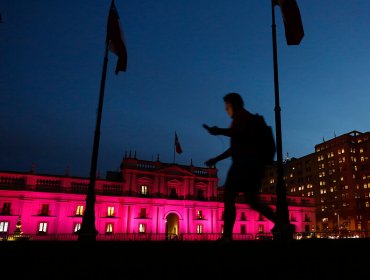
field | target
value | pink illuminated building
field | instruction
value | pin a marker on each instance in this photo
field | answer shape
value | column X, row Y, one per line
column 146, row 199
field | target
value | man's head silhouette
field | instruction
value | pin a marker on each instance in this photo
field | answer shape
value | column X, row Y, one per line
column 233, row 103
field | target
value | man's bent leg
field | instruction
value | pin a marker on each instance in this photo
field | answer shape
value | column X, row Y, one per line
column 256, row 204
column 229, row 213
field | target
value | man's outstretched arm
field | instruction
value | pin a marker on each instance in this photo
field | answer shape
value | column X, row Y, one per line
column 214, row 130
column 211, row 162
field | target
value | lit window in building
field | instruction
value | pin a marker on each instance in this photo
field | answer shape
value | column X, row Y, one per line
column 261, row 228
column 365, row 186
column 243, row 229
column 110, row 211
column 367, row 204
column 362, row 159
column 325, row 220
column 79, row 210
column 355, row 167
column 199, row 214
column 272, row 181
column 77, row 227
column 222, row 229
column 143, row 213
column 6, row 208
column 199, row 228
column 4, row 227
column 144, row 190
column 331, row 189
column 45, row 210
column 43, row 227
column 109, row 228
column 361, row 150
column 142, row 228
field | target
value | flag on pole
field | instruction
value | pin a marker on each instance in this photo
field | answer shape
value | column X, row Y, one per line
column 177, row 145
column 115, row 39
column 292, row 21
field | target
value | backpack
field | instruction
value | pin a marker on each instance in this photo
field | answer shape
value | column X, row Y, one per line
column 265, row 139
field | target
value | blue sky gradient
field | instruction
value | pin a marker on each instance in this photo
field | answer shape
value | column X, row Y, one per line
column 183, row 57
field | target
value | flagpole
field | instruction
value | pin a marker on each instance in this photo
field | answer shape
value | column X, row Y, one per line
column 282, row 211
column 88, row 231
column 174, row 149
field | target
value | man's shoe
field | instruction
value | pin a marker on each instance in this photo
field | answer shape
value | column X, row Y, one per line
column 224, row 239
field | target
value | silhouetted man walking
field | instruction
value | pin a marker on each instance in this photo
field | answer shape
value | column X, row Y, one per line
column 247, row 168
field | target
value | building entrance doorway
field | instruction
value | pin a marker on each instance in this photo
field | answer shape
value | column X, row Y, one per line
column 172, row 226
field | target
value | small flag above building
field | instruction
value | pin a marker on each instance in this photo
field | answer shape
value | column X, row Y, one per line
column 177, row 145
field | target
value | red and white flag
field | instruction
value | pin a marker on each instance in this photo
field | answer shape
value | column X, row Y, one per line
column 115, row 39
column 177, row 145
column 292, row 21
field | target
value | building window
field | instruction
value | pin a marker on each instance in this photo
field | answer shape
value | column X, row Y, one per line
column 110, row 212
column 243, row 229
column 199, row 228
column 243, row 217
column 222, row 229
column 79, row 210
column 45, row 210
column 143, row 213
column 367, row 205
column 142, row 228
column 109, row 228
column 4, row 227
column 173, row 193
column 144, row 190
column 261, row 228
column 43, row 227
column 76, row 227
column 199, row 214
column 6, row 208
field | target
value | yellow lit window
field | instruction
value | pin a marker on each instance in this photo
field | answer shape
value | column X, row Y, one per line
column 144, row 190
column 367, row 204
column 109, row 228
column 365, row 186
column 77, row 227
column 261, row 228
column 362, row 159
column 79, row 210
column 199, row 214
column 142, row 228
column 110, row 211
column 4, row 227
column 43, row 227
column 199, row 228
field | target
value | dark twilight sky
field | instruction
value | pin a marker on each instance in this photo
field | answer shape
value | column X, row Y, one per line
column 183, row 57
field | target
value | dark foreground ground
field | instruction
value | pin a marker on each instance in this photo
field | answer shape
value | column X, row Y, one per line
column 304, row 259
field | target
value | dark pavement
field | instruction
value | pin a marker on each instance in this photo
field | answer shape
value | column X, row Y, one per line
column 304, row 259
